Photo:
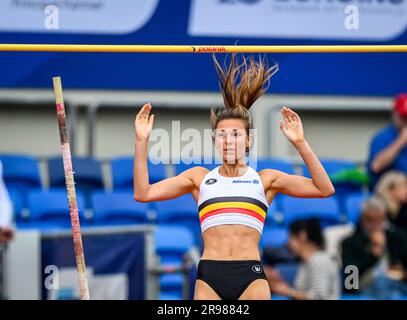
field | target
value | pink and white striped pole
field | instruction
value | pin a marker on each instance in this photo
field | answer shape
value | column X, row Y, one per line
column 70, row 187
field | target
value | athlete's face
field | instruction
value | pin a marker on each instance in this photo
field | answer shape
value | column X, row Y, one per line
column 231, row 140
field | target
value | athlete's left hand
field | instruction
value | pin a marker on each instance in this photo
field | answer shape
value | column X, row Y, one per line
column 292, row 126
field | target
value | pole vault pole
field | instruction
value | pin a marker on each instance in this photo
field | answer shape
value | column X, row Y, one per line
column 70, row 187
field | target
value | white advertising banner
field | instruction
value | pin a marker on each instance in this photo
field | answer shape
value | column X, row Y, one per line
column 370, row 20
column 75, row 16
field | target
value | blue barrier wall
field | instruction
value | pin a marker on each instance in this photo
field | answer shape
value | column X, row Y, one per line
column 340, row 74
column 106, row 254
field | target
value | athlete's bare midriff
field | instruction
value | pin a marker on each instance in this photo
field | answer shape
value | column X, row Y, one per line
column 231, row 242
column 228, row 241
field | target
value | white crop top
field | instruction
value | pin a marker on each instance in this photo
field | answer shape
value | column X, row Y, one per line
column 232, row 200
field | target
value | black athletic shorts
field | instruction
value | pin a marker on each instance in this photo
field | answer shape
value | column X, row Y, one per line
column 229, row 278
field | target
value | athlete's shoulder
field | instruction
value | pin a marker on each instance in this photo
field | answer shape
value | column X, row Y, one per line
column 270, row 173
column 270, row 176
column 200, row 169
column 195, row 171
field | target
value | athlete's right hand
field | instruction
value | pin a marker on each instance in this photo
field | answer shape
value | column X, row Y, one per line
column 144, row 122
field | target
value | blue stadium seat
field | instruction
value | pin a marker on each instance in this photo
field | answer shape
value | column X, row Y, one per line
column 18, row 205
column 172, row 242
column 353, row 206
column 21, row 173
column 354, row 297
column 287, row 271
column 118, row 208
column 170, row 296
column 325, row 209
column 279, row 297
column 51, row 209
column 180, row 211
column 277, row 164
column 172, row 283
column 333, row 166
column 122, row 173
column 274, row 237
column 87, row 175
column 171, row 245
column 278, row 199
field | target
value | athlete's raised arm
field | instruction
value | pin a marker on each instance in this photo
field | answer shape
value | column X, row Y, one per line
column 319, row 186
column 163, row 190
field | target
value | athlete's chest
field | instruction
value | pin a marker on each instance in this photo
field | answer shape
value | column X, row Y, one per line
column 218, row 186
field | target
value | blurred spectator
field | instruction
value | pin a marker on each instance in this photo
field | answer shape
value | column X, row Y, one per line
column 333, row 237
column 275, row 255
column 272, row 256
column 379, row 253
column 318, row 274
column 6, row 211
column 6, row 231
column 388, row 149
column 392, row 188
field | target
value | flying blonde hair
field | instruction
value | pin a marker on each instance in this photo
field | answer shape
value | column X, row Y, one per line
column 241, row 85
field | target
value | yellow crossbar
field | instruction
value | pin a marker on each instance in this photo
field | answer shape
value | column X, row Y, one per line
column 201, row 48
